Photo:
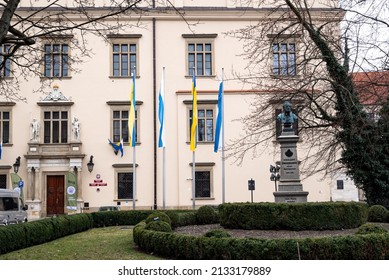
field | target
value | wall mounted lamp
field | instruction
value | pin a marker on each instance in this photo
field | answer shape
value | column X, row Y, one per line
column 90, row 164
column 16, row 165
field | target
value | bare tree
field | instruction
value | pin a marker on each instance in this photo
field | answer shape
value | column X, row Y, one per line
column 310, row 53
column 24, row 24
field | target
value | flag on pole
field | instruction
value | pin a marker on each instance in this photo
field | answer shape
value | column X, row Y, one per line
column 219, row 120
column 117, row 147
column 131, row 120
column 193, row 129
column 1, row 149
column 161, row 113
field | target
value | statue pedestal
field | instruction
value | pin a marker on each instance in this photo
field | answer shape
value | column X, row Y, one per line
column 290, row 188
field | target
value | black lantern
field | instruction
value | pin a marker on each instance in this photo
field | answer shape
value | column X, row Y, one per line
column 16, row 165
column 90, row 164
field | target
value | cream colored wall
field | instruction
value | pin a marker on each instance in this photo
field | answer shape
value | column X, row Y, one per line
column 92, row 88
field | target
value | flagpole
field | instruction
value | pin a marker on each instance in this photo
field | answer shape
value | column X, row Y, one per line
column 134, row 178
column 193, row 137
column 194, row 180
column 133, row 140
column 223, row 157
column 164, row 151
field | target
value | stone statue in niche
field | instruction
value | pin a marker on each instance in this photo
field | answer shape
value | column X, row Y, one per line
column 76, row 125
column 35, row 127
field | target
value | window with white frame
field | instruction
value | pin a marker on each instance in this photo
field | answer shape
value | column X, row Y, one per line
column 56, row 60
column 200, row 54
column 124, row 55
column 5, row 63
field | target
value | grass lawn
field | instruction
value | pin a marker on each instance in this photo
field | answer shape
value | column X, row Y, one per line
column 110, row 243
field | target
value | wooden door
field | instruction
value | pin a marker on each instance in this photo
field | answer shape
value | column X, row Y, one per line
column 55, row 195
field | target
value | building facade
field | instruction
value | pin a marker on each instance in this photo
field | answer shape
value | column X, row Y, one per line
column 58, row 132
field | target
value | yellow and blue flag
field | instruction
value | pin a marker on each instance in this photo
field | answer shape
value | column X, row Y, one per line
column 117, row 147
column 193, row 129
column 131, row 119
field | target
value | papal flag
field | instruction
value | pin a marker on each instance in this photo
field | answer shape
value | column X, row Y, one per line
column 193, row 129
column 219, row 120
column 131, row 119
column 161, row 113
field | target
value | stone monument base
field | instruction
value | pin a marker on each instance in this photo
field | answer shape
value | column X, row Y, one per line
column 291, row 196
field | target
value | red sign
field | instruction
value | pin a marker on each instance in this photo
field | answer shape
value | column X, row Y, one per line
column 97, row 183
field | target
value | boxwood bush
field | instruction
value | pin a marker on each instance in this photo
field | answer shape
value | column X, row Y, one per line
column 293, row 216
column 179, row 246
column 378, row 214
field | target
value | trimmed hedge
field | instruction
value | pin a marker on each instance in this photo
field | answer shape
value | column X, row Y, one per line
column 178, row 246
column 15, row 237
column 293, row 216
column 378, row 214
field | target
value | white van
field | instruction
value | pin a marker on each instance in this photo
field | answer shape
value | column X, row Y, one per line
column 12, row 208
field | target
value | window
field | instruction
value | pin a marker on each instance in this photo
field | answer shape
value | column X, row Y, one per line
column 200, row 54
column 5, row 63
column 119, row 120
column 120, row 125
column 339, row 184
column 3, row 181
column 200, row 59
column 284, row 59
column 203, row 184
column 55, row 127
column 125, row 185
column 56, row 61
column 205, row 124
column 5, row 126
column 124, row 59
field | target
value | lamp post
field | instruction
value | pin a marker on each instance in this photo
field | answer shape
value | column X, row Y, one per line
column 251, row 185
column 275, row 175
column 16, row 165
column 90, row 164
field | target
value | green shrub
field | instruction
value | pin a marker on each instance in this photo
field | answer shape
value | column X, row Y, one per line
column 159, row 226
column 293, row 216
column 115, row 218
column 181, row 246
column 158, row 216
column 186, row 218
column 218, row 233
column 370, row 228
column 206, row 215
column 377, row 213
column 174, row 217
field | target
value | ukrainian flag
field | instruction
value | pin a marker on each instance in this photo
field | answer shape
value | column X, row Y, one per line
column 193, row 129
column 131, row 119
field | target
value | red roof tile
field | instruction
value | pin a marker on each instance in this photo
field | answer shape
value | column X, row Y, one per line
column 373, row 87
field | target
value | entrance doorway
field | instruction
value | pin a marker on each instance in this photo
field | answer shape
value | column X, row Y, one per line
column 55, row 194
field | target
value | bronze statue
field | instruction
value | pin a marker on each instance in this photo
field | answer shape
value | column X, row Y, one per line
column 287, row 116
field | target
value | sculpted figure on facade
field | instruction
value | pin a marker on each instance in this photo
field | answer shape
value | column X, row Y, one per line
column 76, row 129
column 35, row 127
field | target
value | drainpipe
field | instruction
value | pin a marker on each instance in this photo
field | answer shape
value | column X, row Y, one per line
column 155, row 112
